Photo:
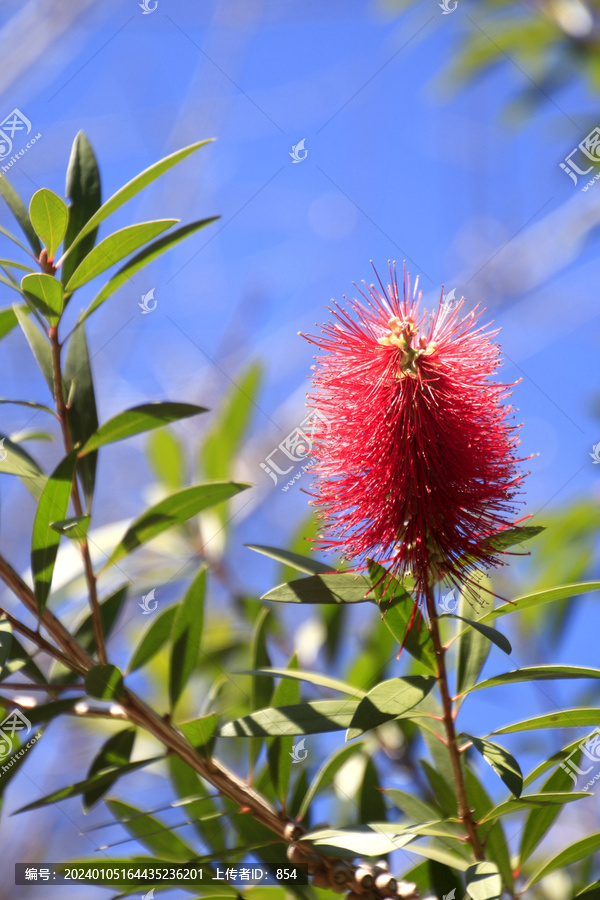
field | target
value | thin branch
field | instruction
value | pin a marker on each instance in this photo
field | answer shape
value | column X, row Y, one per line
column 464, row 810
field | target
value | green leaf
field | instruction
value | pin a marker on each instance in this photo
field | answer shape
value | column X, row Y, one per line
column 49, row 215
column 130, row 189
column 21, row 661
column 138, row 419
column 83, row 416
column 45, row 294
column 225, row 437
column 75, row 527
column 342, row 587
column 18, row 462
column 532, row 801
column 53, row 504
column 109, row 613
column 413, row 807
column 113, row 248
column 11, row 264
column 388, row 700
column 280, row 750
column 302, row 718
column 39, row 346
column 167, row 459
column 186, row 636
column 31, row 404
column 531, row 601
column 496, row 637
column 16, row 241
column 104, row 682
column 193, row 796
column 496, row 844
column 333, row 684
column 101, row 781
column 396, row 606
column 371, row 805
column 483, row 881
column 535, row 673
column 582, row 849
column 501, row 762
column 173, row 510
column 199, row 732
column 300, row 563
column 8, row 319
column 142, row 259
column 15, row 204
column 151, row 833
column 83, row 190
column 511, row 536
column 565, row 718
column 326, row 774
column 539, row 821
column 154, row 639
column 590, row 892
column 113, row 755
column 374, row 839
column 473, row 644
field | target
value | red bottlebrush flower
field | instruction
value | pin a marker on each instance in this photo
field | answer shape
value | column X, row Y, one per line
column 416, row 453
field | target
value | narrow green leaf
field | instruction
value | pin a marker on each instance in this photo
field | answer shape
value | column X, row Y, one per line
column 501, row 762
column 535, row 673
column 582, row 849
column 18, row 243
column 83, row 416
column 39, row 346
column 565, row 718
column 186, row 636
column 496, row 637
column 167, row 458
column 8, row 319
column 388, row 700
column 53, row 504
column 75, row 527
column 18, row 462
column 341, row 587
column 495, row 840
column 45, row 294
column 371, row 805
column 590, row 892
column 302, row 718
column 17, row 208
column 413, row 807
column 104, row 682
column 326, row 774
column 539, row 598
column 49, row 215
column 142, row 259
column 300, row 563
column 194, row 798
column 173, row 510
column 374, row 839
column 21, row 661
column 83, row 190
column 333, row 684
column 150, row 832
column 281, row 755
column 109, row 613
column 154, row 639
column 199, row 732
column 11, row 264
column 113, row 755
column 130, row 189
column 532, row 801
column 483, row 881
column 31, row 404
column 138, row 419
column 229, row 426
column 113, row 248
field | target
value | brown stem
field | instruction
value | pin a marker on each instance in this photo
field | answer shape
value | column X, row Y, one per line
column 464, row 810
column 63, row 414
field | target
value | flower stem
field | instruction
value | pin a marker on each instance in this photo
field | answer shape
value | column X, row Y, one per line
column 63, row 414
column 464, row 810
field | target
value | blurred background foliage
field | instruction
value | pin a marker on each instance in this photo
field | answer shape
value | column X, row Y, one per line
column 552, row 267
